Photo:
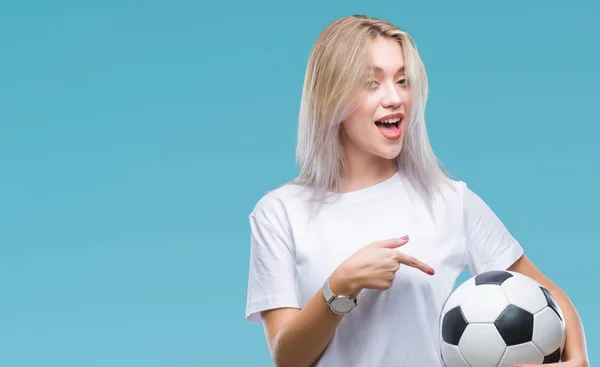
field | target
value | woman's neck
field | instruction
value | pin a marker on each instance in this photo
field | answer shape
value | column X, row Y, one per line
column 365, row 172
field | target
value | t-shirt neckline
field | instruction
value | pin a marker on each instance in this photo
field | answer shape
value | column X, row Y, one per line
column 369, row 191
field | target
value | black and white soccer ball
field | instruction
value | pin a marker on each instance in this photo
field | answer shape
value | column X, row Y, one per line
column 501, row 319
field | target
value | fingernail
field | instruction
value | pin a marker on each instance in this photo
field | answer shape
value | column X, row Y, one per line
column 431, row 271
column 404, row 238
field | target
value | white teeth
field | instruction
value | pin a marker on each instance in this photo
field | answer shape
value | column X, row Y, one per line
column 390, row 121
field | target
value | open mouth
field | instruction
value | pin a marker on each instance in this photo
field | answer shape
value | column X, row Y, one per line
column 390, row 126
column 388, row 123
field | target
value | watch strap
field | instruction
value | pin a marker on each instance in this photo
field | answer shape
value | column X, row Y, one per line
column 330, row 296
column 327, row 292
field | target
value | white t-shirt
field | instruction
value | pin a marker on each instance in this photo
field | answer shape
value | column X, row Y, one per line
column 291, row 257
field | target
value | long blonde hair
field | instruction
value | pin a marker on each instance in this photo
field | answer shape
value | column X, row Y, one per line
column 335, row 72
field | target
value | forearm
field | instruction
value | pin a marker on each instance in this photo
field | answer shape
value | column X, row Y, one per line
column 575, row 343
column 302, row 339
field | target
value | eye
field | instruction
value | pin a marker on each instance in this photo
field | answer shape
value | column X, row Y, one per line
column 402, row 82
column 371, row 84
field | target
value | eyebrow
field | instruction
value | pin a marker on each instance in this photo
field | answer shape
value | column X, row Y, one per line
column 378, row 69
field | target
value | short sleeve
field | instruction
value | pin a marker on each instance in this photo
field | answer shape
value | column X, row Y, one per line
column 491, row 246
column 272, row 270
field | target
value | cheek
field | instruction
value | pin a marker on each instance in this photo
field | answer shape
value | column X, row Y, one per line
column 355, row 127
column 407, row 99
column 361, row 118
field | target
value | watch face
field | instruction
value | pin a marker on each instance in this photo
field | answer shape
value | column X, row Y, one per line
column 342, row 305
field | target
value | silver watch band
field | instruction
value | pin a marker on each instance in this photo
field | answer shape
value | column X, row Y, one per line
column 327, row 292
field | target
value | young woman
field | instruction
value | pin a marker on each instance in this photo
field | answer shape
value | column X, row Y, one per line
column 371, row 218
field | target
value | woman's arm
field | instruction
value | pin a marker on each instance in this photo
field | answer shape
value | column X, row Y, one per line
column 575, row 344
column 298, row 337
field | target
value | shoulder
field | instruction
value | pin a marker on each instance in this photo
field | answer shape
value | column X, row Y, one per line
column 474, row 210
column 451, row 192
column 464, row 199
column 275, row 206
column 455, row 197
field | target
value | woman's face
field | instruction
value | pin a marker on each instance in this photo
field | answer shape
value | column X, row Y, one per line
column 375, row 129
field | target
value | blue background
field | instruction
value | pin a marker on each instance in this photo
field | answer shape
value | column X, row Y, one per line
column 136, row 136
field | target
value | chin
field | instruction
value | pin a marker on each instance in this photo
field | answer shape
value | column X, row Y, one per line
column 389, row 152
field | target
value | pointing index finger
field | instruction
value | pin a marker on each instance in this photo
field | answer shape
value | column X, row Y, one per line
column 415, row 263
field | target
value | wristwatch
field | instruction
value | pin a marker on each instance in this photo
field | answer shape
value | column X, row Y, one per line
column 339, row 304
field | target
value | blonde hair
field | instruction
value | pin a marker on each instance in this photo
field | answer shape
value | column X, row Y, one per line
column 335, row 72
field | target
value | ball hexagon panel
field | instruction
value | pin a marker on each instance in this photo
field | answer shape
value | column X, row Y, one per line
column 556, row 308
column 524, row 293
column 474, row 337
column 515, row 325
column 452, row 356
column 521, row 354
column 484, row 303
column 548, row 331
column 458, row 295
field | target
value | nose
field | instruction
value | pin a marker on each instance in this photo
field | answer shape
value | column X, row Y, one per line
column 391, row 97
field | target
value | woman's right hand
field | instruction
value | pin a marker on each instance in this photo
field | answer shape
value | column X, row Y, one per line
column 374, row 266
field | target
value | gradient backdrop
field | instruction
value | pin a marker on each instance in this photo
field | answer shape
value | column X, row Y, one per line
column 136, row 136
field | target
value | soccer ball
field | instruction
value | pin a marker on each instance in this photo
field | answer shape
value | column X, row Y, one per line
column 501, row 319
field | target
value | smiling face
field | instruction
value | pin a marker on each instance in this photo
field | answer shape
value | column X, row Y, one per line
column 374, row 131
